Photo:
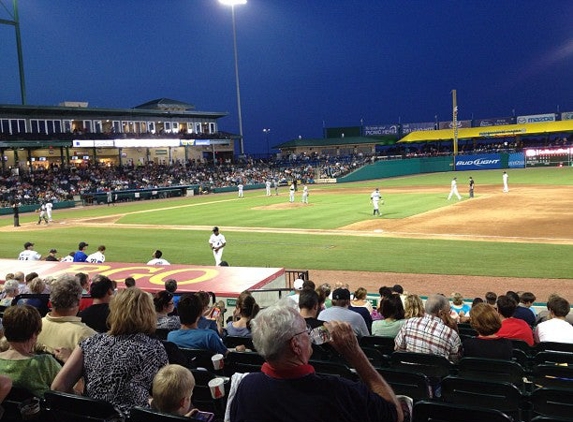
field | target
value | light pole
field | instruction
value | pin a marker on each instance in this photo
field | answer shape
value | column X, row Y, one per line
column 233, row 3
column 266, row 131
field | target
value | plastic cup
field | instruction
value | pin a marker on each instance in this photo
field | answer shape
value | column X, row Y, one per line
column 217, row 387
column 218, row 361
column 30, row 409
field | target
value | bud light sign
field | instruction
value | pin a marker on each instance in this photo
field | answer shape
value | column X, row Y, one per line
column 478, row 162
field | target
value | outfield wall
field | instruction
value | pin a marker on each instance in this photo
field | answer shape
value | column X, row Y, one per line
column 385, row 169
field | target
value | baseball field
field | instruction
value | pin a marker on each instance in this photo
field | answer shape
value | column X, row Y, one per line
column 521, row 240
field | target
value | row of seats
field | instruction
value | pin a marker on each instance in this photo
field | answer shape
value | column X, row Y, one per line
column 57, row 407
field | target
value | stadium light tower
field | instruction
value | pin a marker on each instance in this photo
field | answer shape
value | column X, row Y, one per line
column 15, row 22
column 233, row 3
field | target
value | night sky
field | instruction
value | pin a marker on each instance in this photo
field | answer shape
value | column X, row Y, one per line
column 302, row 64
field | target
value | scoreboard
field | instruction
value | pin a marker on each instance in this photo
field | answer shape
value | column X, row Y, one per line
column 556, row 157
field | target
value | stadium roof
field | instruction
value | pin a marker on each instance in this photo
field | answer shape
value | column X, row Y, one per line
column 485, row 132
column 342, row 141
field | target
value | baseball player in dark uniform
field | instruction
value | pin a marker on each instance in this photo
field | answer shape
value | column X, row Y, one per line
column 472, row 183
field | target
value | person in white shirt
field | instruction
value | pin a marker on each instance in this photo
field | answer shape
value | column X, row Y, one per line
column 268, row 185
column 454, row 189
column 29, row 254
column 291, row 192
column 97, row 257
column 556, row 328
column 68, row 258
column 240, row 187
column 305, row 194
column 49, row 207
column 375, row 198
column 217, row 242
column 505, row 178
column 157, row 260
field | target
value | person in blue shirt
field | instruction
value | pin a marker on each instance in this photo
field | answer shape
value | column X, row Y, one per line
column 80, row 255
column 190, row 336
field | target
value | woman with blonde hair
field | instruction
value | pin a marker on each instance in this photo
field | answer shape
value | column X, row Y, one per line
column 360, row 300
column 413, row 306
column 119, row 366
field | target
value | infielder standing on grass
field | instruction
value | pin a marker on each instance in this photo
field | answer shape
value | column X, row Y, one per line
column 291, row 192
column 454, row 189
column 217, row 242
column 375, row 199
column 504, row 178
column 240, row 187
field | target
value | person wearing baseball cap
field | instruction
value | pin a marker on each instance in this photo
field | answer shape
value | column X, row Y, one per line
column 80, row 255
column 217, row 242
column 339, row 312
column 29, row 254
column 52, row 255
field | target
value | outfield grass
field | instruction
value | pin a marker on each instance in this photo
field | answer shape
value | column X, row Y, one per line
column 304, row 250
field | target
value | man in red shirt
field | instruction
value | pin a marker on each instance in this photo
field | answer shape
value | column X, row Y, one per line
column 512, row 328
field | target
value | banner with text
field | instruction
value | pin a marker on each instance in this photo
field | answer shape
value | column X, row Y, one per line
column 478, row 162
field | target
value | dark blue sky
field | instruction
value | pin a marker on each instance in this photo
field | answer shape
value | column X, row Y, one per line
column 301, row 62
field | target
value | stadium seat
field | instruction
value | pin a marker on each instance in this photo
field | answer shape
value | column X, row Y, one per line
column 552, row 402
column 384, row 344
column 234, row 341
column 552, row 375
column 411, row 384
column 502, row 396
column 491, row 370
column 198, row 358
column 202, row 398
column 446, row 412
column 243, row 362
column 71, row 407
column 140, row 414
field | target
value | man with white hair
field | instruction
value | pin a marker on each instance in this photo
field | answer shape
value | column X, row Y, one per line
column 434, row 333
column 281, row 336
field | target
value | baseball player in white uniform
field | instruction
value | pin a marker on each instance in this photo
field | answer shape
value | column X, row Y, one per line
column 240, row 187
column 291, row 193
column 49, row 207
column 29, row 254
column 305, row 194
column 505, row 178
column 157, row 260
column 268, row 186
column 454, row 189
column 42, row 216
column 217, row 242
column 97, row 257
column 375, row 198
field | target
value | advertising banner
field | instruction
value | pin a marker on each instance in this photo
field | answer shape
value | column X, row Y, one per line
column 516, row 160
column 450, row 125
column 478, row 162
column 537, row 118
column 381, row 130
column 568, row 115
column 415, row 127
column 499, row 121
